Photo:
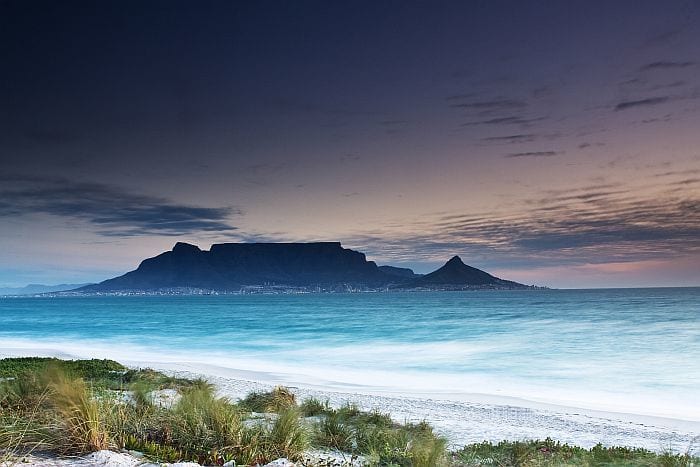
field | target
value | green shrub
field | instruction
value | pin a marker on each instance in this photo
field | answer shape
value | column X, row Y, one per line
column 312, row 407
column 349, row 410
column 334, row 433
column 156, row 380
column 550, row 453
column 426, row 449
column 279, row 399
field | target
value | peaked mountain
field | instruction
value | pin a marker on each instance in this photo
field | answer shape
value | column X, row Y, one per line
column 455, row 275
column 229, row 266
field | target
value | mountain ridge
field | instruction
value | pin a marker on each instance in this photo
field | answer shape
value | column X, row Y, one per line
column 317, row 266
column 34, row 289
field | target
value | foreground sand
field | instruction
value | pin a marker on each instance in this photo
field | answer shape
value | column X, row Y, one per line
column 483, row 419
column 96, row 459
column 134, row 459
column 463, row 419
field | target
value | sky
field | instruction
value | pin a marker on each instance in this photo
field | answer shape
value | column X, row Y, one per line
column 551, row 143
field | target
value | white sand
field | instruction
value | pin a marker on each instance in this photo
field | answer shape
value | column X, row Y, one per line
column 463, row 418
column 482, row 418
column 96, row 459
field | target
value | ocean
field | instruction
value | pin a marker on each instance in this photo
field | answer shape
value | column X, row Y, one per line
column 621, row 350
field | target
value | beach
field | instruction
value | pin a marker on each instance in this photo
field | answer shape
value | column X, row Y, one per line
column 464, row 422
column 462, row 418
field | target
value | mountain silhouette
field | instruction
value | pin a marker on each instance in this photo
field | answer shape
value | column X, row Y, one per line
column 456, row 274
column 229, row 267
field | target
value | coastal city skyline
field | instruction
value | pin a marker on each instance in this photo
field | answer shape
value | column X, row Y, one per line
column 553, row 146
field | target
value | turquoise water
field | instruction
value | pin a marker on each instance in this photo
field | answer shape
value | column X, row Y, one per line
column 632, row 350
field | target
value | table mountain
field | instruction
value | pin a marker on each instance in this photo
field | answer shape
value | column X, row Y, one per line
column 229, row 267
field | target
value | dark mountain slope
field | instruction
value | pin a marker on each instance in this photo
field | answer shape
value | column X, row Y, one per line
column 399, row 273
column 229, row 266
column 455, row 274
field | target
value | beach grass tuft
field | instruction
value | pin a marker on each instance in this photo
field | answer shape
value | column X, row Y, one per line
column 546, row 453
column 288, row 437
column 203, row 423
column 335, row 432
column 312, row 407
column 79, row 413
column 82, row 406
column 280, row 398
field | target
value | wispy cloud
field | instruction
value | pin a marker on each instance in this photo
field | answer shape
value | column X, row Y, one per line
column 507, row 120
column 672, row 173
column 533, row 154
column 495, row 104
column 624, row 105
column 688, row 181
column 521, row 138
column 493, row 111
column 586, row 145
column 663, row 38
column 674, row 84
column 112, row 211
column 592, row 224
column 665, row 65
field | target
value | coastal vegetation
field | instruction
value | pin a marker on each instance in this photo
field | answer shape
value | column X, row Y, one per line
column 77, row 407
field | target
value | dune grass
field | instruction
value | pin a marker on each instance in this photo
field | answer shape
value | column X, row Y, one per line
column 78, row 412
column 551, row 453
column 81, row 406
column 280, row 398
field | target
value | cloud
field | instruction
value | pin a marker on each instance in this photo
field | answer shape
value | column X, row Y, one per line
column 624, row 105
column 522, row 138
column 111, row 210
column 586, row 145
column 393, row 122
column 497, row 110
column 665, row 65
column 665, row 118
column 349, row 157
column 688, row 181
column 533, row 154
column 663, row 38
column 672, row 173
column 674, row 84
column 458, row 97
column 507, row 120
column 587, row 225
column 495, row 104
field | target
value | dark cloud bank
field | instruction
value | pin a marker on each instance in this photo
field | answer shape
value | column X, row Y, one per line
column 111, row 210
column 595, row 224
